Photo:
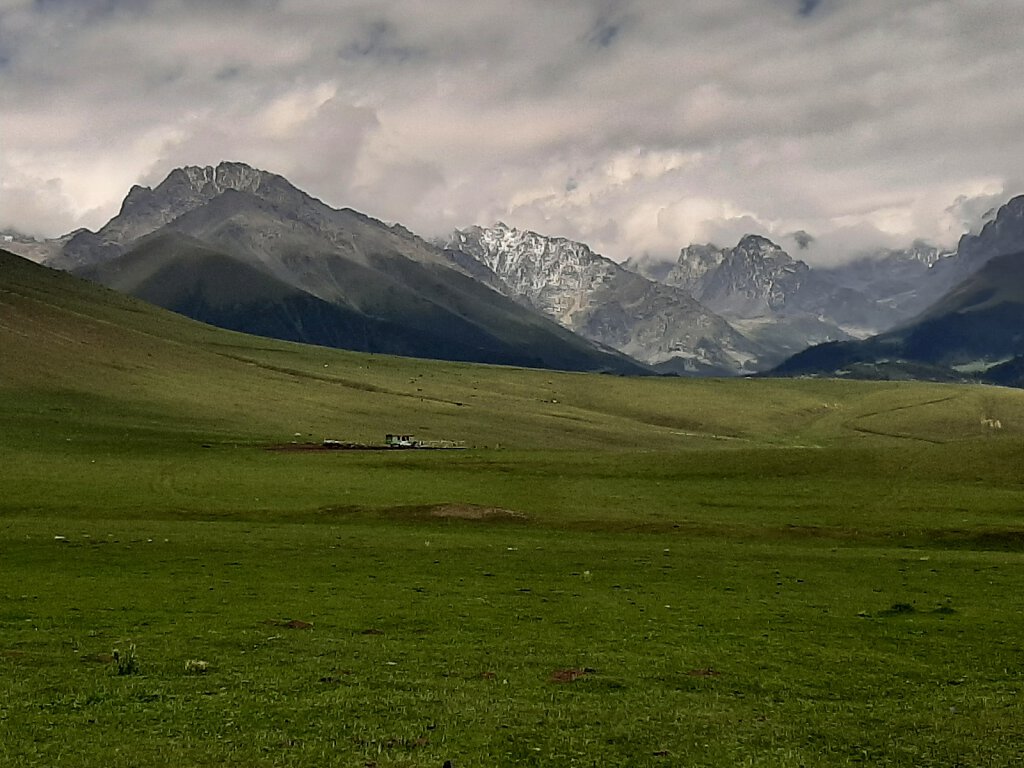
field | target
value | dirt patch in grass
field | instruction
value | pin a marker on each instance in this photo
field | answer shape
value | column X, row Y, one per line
column 570, row 675
column 705, row 672
column 475, row 512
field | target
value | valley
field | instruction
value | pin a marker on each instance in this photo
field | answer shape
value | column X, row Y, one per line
column 511, row 385
column 617, row 570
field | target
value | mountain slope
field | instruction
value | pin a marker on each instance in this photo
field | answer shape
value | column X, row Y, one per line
column 186, row 276
column 774, row 299
column 981, row 320
column 97, row 368
column 972, row 331
column 1003, row 234
column 755, row 278
column 244, row 249
column 86, row 372
column 901, row 283
column 975, row 327
column 602, row 301
column 758, row 279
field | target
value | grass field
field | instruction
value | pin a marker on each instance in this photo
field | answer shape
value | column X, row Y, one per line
column 616, row 572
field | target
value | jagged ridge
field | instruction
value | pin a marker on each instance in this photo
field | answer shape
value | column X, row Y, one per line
column 603, row 301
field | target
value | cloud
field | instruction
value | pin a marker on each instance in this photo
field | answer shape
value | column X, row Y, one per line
column 34, row 207
column 632, row 126
column 807, row 7
column 803, row 240
column 971, row 213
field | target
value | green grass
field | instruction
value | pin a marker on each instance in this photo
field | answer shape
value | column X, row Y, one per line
column 434, row 641
column 722, row 573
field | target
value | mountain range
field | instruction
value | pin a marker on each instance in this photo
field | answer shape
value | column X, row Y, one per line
column 975, row 332
column 244, row 249
column 655, row 323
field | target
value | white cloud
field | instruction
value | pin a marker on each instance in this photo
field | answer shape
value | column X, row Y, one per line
column 637, row 127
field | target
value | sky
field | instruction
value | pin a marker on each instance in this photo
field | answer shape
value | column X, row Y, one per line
column 636, row 126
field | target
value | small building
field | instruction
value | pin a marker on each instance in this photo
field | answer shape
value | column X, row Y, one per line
column 400, row 441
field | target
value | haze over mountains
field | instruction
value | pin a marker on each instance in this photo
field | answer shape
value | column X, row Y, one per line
column 244, row 249
column 975, row 332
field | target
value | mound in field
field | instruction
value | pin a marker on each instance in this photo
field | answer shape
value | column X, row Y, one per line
column 475, row 512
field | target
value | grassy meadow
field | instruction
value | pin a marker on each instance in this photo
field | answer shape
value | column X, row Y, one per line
column 641, row 572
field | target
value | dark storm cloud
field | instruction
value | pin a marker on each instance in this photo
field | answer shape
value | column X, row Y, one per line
column 807, row 7
column 604, row 34
column 610, row 22
column 673, row 121
column 380, row 39
column 802, row 239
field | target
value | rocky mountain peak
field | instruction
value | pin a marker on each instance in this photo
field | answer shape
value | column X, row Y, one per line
column 751, row 267
column 757, row 242
column 755, row 278
column 1003, row 234
column 146, row 209
column 694, row 264
column 527, row 258
column 605, row 302
column 210, row 180
column 920, row 252
column 182, row 190
column 756, row 248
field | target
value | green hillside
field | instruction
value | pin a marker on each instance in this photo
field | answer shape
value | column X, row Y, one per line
column 91, row 350
column 618, row 571
column 89, row 376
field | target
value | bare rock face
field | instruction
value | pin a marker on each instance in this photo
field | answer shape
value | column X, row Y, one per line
column 695, row 264
column 907, row 281
column 755, row 278
column 779, row 302
column 900, row 282
column 557, row 276
column 659, row 324
column 145, row 210
column 1002, row 235
column 970, row 333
